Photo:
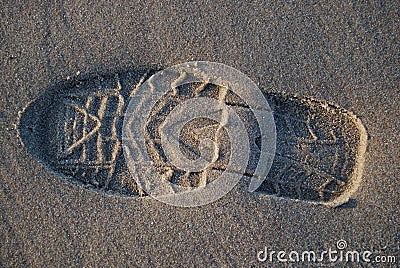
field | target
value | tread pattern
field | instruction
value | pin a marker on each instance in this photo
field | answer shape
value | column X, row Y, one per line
column 76, row 131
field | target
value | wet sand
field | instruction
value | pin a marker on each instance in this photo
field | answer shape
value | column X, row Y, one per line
column 343, row 53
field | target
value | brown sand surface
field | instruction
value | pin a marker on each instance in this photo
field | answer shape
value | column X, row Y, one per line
column 342, row 52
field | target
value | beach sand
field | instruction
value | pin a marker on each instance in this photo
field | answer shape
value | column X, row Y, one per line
column 341, row 53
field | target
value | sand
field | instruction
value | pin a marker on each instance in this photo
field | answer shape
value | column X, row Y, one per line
column 341, row 53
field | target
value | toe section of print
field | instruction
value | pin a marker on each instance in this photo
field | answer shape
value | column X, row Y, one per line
column 74, row 129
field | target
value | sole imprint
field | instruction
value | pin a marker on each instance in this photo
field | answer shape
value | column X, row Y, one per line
column 75, row 131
